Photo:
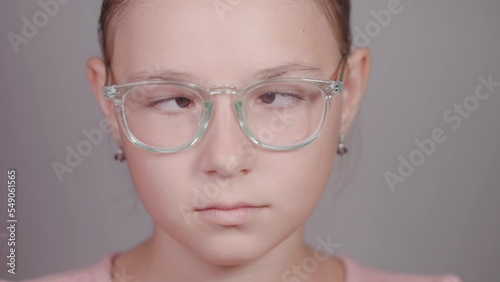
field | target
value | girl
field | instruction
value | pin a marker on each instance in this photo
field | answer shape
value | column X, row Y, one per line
column 229, row 115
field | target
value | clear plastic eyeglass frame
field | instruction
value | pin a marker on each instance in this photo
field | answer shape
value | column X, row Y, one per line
column 328, row 88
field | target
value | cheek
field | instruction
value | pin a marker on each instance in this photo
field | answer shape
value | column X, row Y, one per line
column 162, row 181
column 303, row 174
column 298, row 183
column 325, row 149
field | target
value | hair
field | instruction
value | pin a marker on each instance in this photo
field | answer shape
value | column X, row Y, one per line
column 338, row 13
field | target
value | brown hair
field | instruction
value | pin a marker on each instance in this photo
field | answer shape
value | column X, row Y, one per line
column 338, row 13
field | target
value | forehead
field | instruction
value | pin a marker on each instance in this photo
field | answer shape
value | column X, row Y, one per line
column 222, row 39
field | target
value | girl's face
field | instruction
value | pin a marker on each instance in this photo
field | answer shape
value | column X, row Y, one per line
column 225, row 44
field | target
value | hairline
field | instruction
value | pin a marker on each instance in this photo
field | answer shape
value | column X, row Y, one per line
column 116, row 16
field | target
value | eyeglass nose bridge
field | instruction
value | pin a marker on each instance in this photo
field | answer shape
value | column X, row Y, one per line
column 223, row 89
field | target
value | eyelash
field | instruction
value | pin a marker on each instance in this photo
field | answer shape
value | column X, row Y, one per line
column 153, row 104
column 285, row 94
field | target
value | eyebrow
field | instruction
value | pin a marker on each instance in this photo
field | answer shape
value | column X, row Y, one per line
column 283, row 70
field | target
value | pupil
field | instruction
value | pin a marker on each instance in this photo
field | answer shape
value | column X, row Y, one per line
column 268, row 97
column 182, row 102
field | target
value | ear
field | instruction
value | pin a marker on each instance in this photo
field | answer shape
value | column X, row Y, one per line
column 356, row 77
column 96, row 75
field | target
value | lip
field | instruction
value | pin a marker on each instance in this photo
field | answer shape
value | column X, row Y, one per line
column 226, row 206
column 230, row 214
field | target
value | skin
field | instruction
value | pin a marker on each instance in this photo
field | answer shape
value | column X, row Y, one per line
column 255, row 35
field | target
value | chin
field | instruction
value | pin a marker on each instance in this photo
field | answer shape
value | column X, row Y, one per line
column 228, row 250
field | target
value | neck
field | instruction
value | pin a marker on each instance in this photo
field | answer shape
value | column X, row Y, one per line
column 162, row 258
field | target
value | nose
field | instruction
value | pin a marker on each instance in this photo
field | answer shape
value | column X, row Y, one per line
column 225, row 150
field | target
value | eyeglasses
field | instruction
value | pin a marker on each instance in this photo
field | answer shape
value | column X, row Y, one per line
column 277, row 114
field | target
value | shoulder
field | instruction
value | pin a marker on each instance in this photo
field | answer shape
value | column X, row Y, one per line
column 98, row 271
column 356, row 272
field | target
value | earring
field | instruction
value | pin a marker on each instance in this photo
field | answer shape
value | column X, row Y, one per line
column 341, row 148
column 120, row 155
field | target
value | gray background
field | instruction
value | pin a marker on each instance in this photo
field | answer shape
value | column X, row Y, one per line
column 445, row 218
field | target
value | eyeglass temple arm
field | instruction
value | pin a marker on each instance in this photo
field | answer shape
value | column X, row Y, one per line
column 338, row 85
column 339, row 73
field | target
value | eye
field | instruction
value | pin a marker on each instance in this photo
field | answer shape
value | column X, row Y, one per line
column 278, row 99
column 170, row 105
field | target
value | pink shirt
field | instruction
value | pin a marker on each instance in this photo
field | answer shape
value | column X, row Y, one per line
column 100, row 272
